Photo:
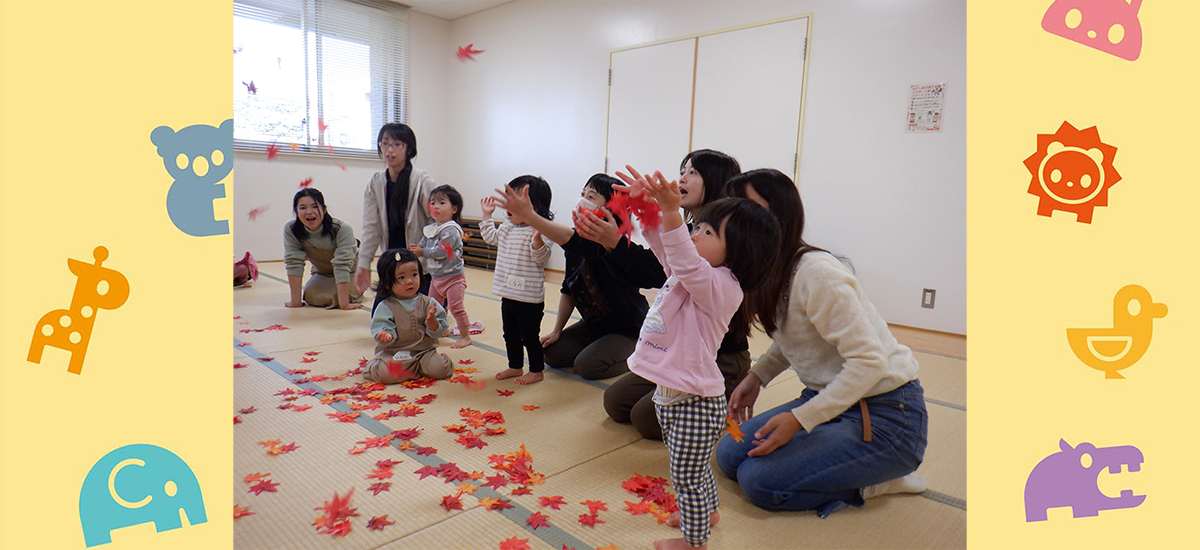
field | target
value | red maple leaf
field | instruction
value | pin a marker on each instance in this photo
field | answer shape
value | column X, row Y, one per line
column 239, row 511
column 522, row 490
column 590, row 520
column 300, row 408
column 237, row 420
column 377, row 523
column 382, row 473
column 380, row 487
column 272, row 150
column 311, row 353
column 284, row 406
column 637, row 508
column 426, row 399
column 530, row 407
column 240, row 344
column 387, row 415
column 308, row 359
column 470, row 440
column 240, row 365
column 265, row 485
column 504, row 393
column 411, row 410
column 337, row 530
column 306, row 182
column 467, row 52
column 336, row 509
column 427, row 471
column 497, row 481
column 426, row 451
column 251, row 478
column 396, row 368
column 340, row 165
column 452, row 502
column 514, row 543
column 386, row 463
column 495, row 431
column 407, row 433
column 455, row 428
column 537, row 519
column 250, row 87
column 595, row 505
column 466, row 361
column 321, row 125
column 246, row 410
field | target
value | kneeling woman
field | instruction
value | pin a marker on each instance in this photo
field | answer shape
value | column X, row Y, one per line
column 858, row 429
column 327, row 243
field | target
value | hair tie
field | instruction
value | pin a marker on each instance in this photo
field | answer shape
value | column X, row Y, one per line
column 397, row 256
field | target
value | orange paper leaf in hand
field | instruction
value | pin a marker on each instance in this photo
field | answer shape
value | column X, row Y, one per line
column 734, row 430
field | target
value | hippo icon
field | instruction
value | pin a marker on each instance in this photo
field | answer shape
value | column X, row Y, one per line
column 1068, row 478
column 136, row 484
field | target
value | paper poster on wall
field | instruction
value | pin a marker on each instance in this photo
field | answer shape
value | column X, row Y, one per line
column 925, row 104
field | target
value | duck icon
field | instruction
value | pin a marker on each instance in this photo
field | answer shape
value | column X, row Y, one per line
column 1119, row 347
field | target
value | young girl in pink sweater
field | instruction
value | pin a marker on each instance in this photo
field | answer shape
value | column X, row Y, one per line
column 708, row 274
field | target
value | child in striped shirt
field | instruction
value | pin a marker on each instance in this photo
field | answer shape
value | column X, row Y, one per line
column 520, row 278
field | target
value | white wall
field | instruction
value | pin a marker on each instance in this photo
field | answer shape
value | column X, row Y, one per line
column 894, row 203
column 536, row 102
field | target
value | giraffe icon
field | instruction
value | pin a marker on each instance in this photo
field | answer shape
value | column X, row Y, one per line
column 71, row 329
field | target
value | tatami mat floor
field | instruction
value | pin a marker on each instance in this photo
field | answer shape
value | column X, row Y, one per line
column 582, row 455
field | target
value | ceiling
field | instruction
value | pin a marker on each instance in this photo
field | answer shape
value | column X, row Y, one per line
column 451, row 9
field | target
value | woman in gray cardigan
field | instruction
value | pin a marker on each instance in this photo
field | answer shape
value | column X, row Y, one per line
column 394, row 203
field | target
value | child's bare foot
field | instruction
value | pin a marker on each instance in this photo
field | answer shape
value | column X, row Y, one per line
column 508, row 373
column 676, row 544
column 673, row 521
column 530, row 378
column 461, row 343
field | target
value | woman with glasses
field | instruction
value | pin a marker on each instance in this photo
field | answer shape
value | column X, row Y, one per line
column 394, row 212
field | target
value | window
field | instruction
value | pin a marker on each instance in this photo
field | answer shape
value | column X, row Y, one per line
column 318, row 76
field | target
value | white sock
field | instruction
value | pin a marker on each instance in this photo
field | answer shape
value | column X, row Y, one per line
column 911, row 483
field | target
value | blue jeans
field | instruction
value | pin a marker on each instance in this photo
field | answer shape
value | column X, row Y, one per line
column 824, row 469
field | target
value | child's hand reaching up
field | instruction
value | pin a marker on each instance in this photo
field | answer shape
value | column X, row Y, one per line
column 417, row 250
column 656, row 188
column 383, row 337
column 537, row 240
column 431, row 321
column 488, row 205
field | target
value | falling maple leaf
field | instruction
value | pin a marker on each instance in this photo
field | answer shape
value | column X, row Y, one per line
column 380, row 487
column 251, row 478
column 272, row 150
column 734, row 430
column 265, row 485
column 239, row 511
column 595, row 505
column 377, row 523
column 590, row 520
column 467, row 53
column 514, row 543
column 337, row 512
column 254, row 213
column 338, row 529
column 250, row 87
column 504, row 393
column 321, row 125
column 452, row 502
column 530, row 407
column 237, row 420
column 537, row 519
column 396, row 368
column 294, row 147
column 340, row 165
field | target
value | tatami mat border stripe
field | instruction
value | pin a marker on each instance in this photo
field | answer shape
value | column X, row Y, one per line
column 517, row 514
column 943, row 498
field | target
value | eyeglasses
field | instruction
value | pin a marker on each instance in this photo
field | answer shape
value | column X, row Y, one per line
column 391, row 144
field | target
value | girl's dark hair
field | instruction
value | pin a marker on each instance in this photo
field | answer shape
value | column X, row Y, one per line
column 539, row 193
column 745, row 226
column 327, row 226
column 399, row 132
column 451, row 195
column 603, row 184
column 386, row 266
column 715, row 168
column 781, row 194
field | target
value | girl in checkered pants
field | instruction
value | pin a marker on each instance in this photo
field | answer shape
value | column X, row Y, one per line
column 708, row 275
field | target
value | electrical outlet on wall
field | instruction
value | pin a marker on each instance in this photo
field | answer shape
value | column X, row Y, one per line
column 927, row 298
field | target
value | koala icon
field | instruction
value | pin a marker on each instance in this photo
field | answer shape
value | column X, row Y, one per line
column 159, row 482
column 198, row 157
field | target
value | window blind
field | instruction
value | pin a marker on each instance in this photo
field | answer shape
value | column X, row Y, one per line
column 318, row 76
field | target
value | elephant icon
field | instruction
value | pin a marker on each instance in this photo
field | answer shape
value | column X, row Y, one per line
column 136, row 484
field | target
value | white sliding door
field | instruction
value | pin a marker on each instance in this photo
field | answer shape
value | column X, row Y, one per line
column 748, row 91
column 649, row 107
